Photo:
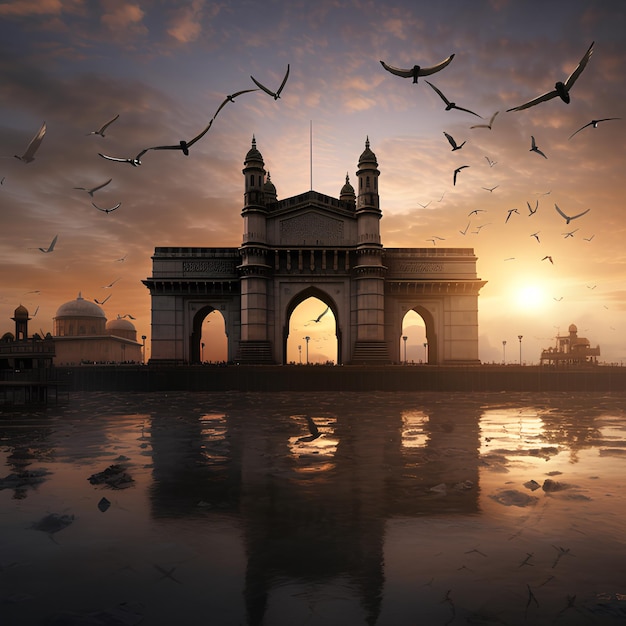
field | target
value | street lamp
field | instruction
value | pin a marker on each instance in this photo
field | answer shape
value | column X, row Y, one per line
column 300, row 354
column 425, row 353
column 143, row 349
column 307, row 339
column 520, row 348
column 404, row 338
column 504, row 352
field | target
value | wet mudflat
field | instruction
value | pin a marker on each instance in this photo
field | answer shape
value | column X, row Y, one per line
column 315, row 508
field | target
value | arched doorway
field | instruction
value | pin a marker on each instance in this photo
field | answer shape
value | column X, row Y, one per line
column 418, row 339
column 208, row 341
column 311, row 332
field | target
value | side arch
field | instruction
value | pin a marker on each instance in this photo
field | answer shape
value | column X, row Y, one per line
column 431, row 333
column 299, row 298
column 195, row 338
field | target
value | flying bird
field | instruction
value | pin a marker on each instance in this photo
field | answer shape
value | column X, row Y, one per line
column 594, row 123
column 122, row 259
column 417, row 70
column 50, row 248
column 569, row 218
column 549, row 259
column 589, row 238
column 102, row 128
column 532, row 211
column 456, row 171
column 94, row 189
column 107, row 211
column 231, row 98
column 560, row 89
column 536, row 236
column 493, row 117
column 451, row 105
column 476, row 212
column 452, row 142
column 491, row 163
column 111, row 284
column 121, row 317
column 276, row 94
column 424, row 205
column 464, row 232
column 321, row 315
column 434, row 239
column 103, row 301
column 490, row 188
column 510, row 212
column 569, row 234
column 35, row 142
column 534, row 148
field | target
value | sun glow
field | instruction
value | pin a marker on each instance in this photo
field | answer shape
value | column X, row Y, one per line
column 530, row 297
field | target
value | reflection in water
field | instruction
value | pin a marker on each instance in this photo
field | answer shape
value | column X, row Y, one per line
column 343, row 508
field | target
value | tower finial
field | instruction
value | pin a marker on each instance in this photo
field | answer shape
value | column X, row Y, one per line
column 253, row 141
column 367, row 141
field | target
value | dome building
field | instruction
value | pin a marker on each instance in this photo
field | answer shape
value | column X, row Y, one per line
column 83, row 335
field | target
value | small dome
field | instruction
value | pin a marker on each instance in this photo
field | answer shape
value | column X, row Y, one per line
column 120, row 324
column 269, row 189
column 253, row 153
column 80, row 308
column 347, row 189
column 367, row 156
column 572, row 328
column 21, row 313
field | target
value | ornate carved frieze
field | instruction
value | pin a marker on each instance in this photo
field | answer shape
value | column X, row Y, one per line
column 221, row 267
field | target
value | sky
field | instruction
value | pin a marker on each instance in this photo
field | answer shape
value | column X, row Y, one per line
column 165, row 67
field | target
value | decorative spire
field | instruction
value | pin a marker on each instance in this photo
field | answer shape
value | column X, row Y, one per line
column 367, row 142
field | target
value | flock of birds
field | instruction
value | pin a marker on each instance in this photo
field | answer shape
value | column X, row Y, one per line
column 561, row 90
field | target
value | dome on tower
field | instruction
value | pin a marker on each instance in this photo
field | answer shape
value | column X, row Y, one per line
column 21, row 313
column 80, row 308
column 347, row 189
column 253, row 153
column 572, row 328
column 367, row 156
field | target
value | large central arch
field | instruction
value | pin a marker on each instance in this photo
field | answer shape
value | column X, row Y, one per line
column 299, row 298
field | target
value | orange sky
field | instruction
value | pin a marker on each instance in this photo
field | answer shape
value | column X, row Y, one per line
column 165, row 69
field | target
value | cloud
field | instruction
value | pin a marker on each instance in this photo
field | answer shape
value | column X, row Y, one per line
column 30, row 8
column 186, row 25
column 122, row 16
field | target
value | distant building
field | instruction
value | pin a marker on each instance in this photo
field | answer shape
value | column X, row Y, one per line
column 19, row 352
column 570, row 349
column 83, row 335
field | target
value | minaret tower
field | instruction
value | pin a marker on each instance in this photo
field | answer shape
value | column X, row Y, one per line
column 20, row 317
column 254, row 346
column 370, row 273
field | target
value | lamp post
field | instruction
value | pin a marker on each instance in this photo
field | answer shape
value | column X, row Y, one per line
column 520, row 348
column 307, row 339
column 300, row 354
column 425, row 353
column 404, row 338
column 202, row 352
column 143, row 349
column 504, row 352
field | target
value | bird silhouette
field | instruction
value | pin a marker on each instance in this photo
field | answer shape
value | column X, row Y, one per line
column 560, row 89
column 476, row 212
column 489, row 125
column 536, row 236
column 35, row 142
column 451, row 105
column 102, row 128
column 103, row 301
column 570, row 233
column 510, row 212
column 275, row 94
column 491, row 163
column 452, row 142
column 490, row 188
column 532, row 211
column 569, row 218
column 456, row 171
column 534, row 148
column 321, row 315
column 424, row 205
column 594, row 124
column 107, row 211
column 50, row 248
column 549, row 259
column 94, row 189
column 464, row 232
column 417, row 70
column 111, row 284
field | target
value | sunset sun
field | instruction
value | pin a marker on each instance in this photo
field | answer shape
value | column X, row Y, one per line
column 530, row 297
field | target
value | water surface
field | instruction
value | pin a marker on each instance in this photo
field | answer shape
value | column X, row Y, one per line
column 315, row 508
